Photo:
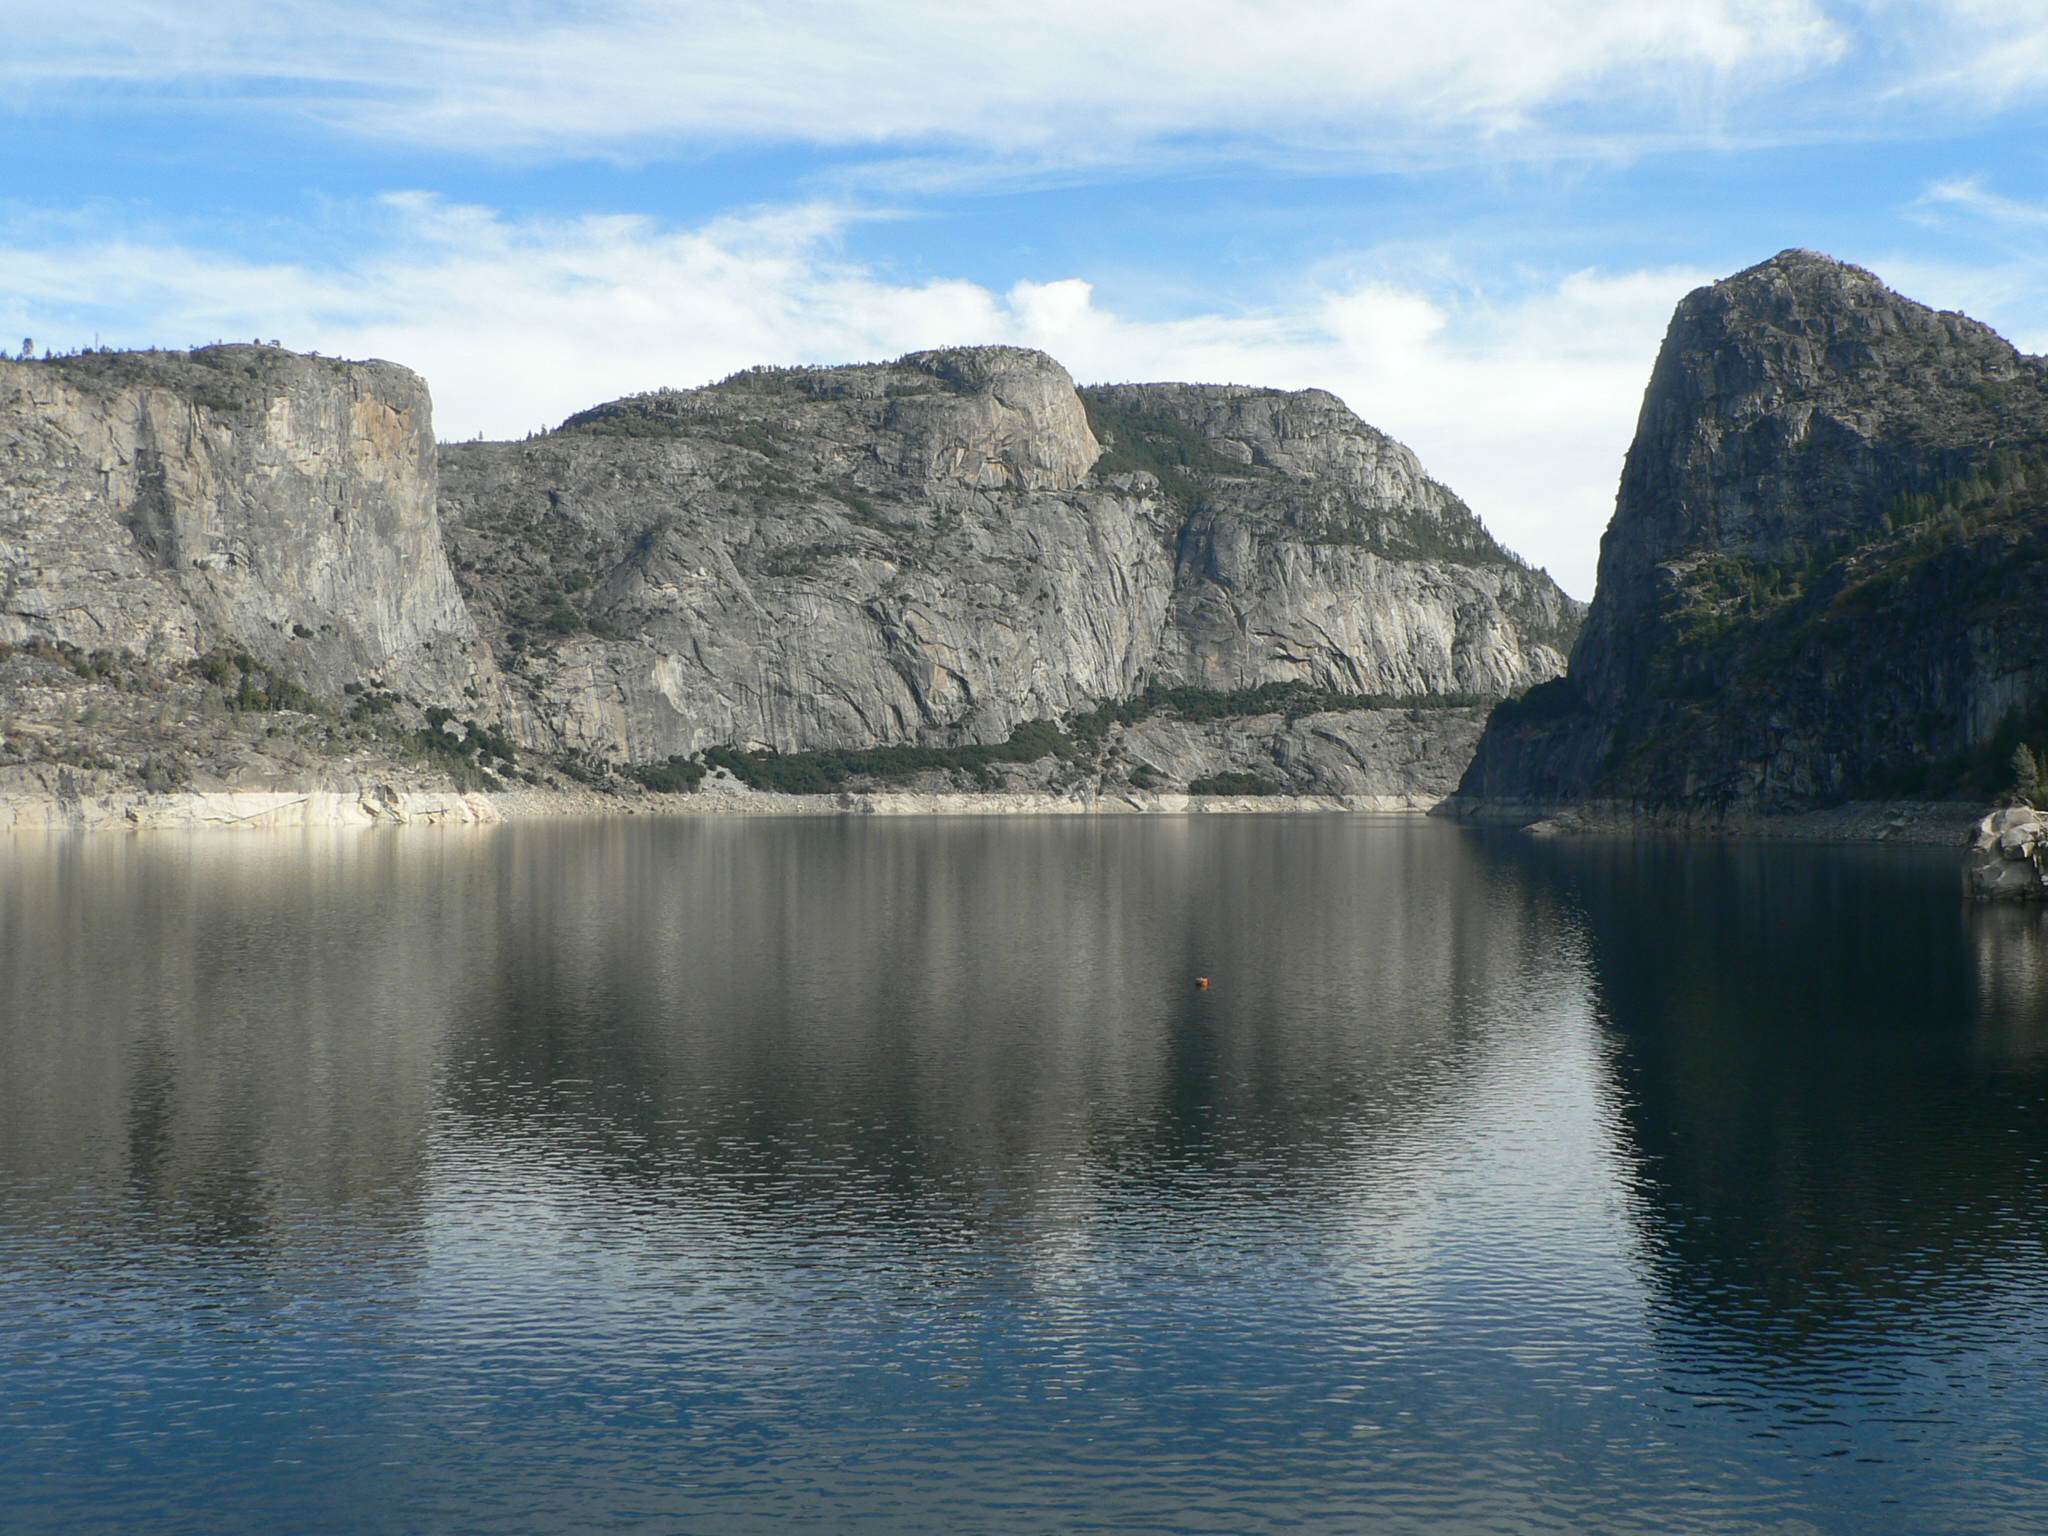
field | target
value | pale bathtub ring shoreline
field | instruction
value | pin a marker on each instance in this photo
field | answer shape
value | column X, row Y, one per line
column 385, row 805
column 368, row 804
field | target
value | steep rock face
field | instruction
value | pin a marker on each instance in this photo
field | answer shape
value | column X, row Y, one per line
column 938, row 549
column 1316, row 550
column 702, row 617
column 159, row 504
column 1824, row 574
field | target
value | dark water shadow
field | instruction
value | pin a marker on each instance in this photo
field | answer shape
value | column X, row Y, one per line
column 1831, row 1070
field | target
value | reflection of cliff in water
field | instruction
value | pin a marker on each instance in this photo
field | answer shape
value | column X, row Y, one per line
column 970, row 1015
column 1827, row 1129
column 211, row 1037
column 955, row 1020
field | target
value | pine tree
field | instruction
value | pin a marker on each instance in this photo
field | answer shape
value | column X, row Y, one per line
column 2026, row 772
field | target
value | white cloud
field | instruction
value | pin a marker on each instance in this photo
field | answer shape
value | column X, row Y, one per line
column 2003, row 279
column 1525, row 407
column 1979, row 55
column 954, row 90
column 1071, row 80
column 1968, row 194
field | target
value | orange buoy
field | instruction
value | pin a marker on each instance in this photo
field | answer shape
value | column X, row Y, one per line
column 1202, row 982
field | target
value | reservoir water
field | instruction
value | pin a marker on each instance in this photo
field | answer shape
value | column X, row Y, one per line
column 870, row 1175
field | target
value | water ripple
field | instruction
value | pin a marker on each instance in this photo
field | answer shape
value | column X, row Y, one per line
column 843, row 1177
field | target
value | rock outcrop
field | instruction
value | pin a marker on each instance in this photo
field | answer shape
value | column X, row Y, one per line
column 240, row 572
column 1315, row 549
column 2009, row 856
column 155, row 505
column 1826, row 578
column 940, row 549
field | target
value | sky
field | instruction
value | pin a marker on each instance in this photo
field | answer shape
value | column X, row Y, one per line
column 1469, row 222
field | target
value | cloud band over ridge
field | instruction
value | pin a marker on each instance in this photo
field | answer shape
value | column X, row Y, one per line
column 1524, row 408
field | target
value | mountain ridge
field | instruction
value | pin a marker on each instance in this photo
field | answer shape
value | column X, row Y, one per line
column 928, row 555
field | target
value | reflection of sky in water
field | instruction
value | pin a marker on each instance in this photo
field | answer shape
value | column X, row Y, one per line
column 854, row 1176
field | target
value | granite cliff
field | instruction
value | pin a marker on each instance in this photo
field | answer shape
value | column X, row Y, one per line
column 937, row 551
column 1826, row 578
column 154, row 505
column 238, row 568
column 206, row 558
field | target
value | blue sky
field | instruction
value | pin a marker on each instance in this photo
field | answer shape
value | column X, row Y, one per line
column 1469, row 222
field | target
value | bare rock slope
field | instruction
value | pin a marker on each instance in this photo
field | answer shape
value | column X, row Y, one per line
column 1313, row 548
column 938, row 550
column 157, row 504
column 199, row 552
column 238, row 569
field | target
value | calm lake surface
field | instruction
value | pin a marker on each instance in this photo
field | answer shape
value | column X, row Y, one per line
column 855, row 1175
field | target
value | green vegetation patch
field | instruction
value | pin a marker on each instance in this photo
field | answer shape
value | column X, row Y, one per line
column 823, row 772
column 1743, row 620
column 1235, row 784
column 94, row 666
column 645, row 416
column 471, row 740
column 1290, row 699
column 252, row 687
column 1861, row 566
column 1160, row 445
column 1459, row 538
column 807, row 560
column 677, row 776
column 666, row 416
column 818, row 773
column 368, row 705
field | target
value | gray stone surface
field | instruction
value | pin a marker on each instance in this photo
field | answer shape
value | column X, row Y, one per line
column 159, row 504
column 1318, row 550
column 1415, row 755
column 929, row 551
column 2009, row 856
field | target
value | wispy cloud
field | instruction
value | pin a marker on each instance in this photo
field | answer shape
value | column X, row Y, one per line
column 1526, row 407
column 1071, row 80
column 1979, row 56
column 1968, row 194
column 917, row 94
column 1989, row 260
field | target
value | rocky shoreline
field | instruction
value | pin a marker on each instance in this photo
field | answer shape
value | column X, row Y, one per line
column 384, row 802
column 2009, row 856
column 387, row 805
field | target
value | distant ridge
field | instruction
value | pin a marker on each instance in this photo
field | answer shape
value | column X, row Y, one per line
column 239, row 569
